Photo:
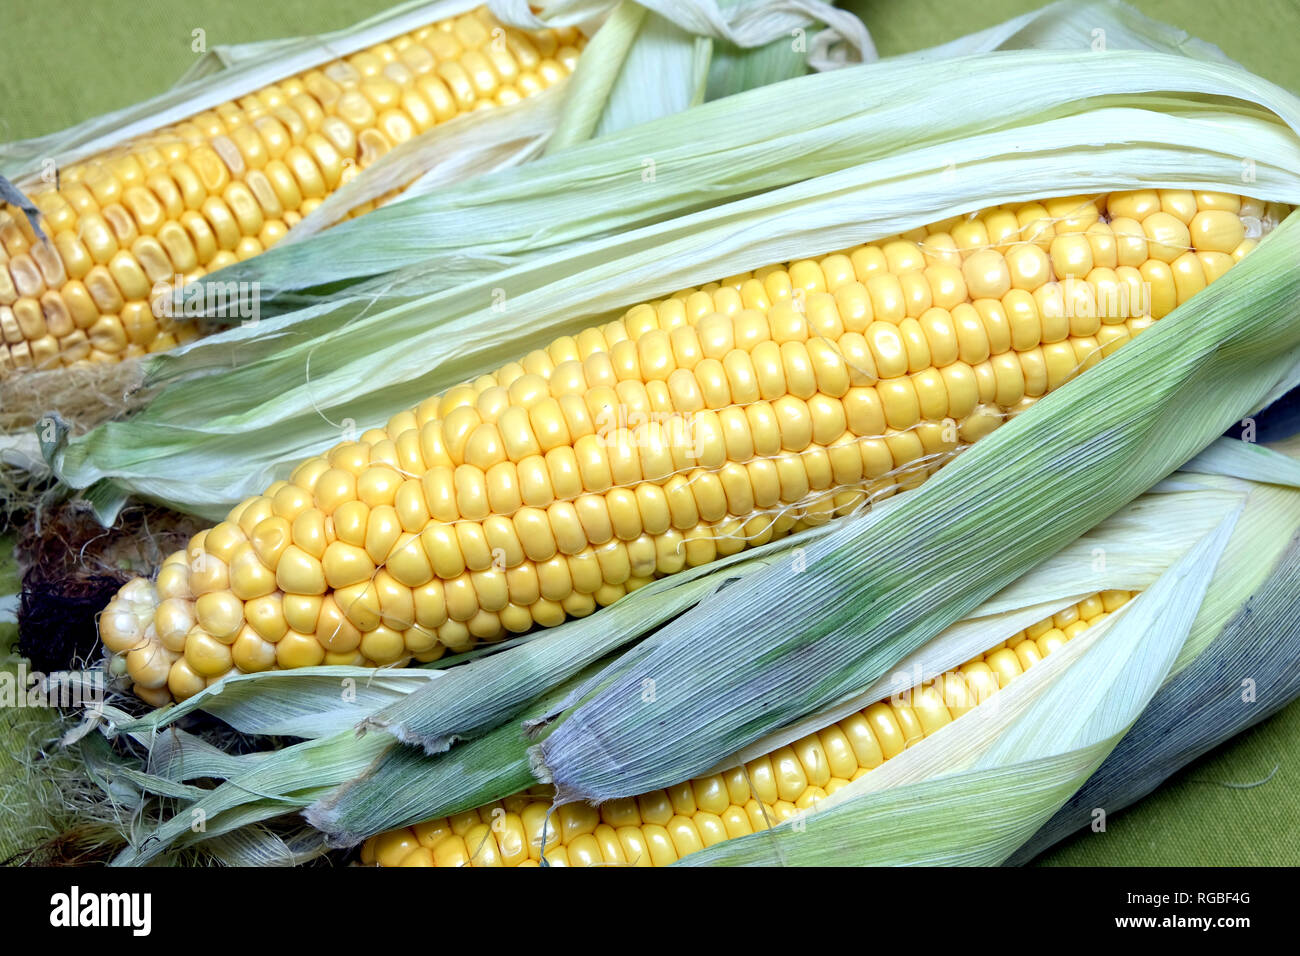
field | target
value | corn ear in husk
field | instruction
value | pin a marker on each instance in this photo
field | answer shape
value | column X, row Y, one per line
column 474, row 761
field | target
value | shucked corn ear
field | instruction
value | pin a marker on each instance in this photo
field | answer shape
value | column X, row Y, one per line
column 687, row 429
column 228, row 183
column 660, row 827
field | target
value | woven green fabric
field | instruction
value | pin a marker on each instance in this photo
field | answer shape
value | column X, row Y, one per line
column 61, row 62
column 1236, row 806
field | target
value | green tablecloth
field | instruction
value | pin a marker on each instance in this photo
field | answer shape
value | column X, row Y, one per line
column 62, row 61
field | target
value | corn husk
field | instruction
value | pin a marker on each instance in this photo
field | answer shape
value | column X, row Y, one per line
column 264, row 785
column 950, row 804
column 976, row 795
column 1248, row 674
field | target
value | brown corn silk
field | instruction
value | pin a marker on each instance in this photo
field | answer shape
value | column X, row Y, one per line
column 690, row 428
column 660, row 827
column 227, row 183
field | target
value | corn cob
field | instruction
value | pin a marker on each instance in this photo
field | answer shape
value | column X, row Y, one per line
column 690, row 428
column 658, row 828
column 230, row 182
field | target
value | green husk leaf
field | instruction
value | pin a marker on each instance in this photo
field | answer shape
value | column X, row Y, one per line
column 597, row 74
column 1244, row 459
column 176, row 755
column 733, row 70
column 407, row 786
column 260, row 847
column 371, row 769
column 1265, row 532
column 1270, row 523
column 667, row 60
column 949, row 800
column 1128, row 551
column 309, row 702
column 469, row 145
column 279, row 783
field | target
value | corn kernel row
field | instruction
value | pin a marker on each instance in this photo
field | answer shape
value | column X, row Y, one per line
column 688, row 429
